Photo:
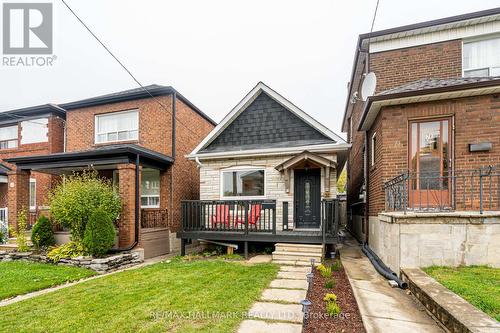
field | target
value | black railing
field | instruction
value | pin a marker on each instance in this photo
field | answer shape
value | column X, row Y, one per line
column 329, row 218
column 154, row 218
column 229, row 215
column 470, row 190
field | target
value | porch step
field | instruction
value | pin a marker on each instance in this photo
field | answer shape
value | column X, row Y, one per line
column 297, row 256
column 8, row 247
column 291, row 263
column 308, row 248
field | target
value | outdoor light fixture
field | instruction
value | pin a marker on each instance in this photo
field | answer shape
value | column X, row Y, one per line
column 313, row 261
column 305, row 309
column 332, row 254
column 309, row 279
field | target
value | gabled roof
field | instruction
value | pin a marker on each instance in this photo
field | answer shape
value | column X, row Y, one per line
column 315, row 134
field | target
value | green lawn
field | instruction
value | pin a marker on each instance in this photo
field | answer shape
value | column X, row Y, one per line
column 479, row 285
column 17, row 277
column 156, row 298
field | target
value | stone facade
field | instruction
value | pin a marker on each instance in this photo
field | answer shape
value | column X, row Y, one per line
column 446, row 239
column 210, row 181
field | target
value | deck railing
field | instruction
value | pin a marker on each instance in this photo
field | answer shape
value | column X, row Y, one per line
column 471, row 190
column 154, row 218
column 229, row 215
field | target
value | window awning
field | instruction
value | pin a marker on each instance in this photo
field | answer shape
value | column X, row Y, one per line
column 106, row 156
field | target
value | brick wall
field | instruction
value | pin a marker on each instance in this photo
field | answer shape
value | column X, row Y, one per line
column 396, row 67
column 476, row 120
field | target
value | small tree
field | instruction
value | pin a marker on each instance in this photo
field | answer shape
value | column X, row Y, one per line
column 341, row 182
column 20, row 232
column 99, row 233
column 42, row 234
column 78, row 197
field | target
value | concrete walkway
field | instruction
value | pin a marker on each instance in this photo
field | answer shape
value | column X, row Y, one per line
column 278, row 310
column 382, row 308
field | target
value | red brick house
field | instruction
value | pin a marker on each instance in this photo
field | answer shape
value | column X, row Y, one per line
column 137, row 139
column 423, row 170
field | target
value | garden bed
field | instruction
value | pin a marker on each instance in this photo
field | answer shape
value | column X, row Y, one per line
column 99, row 265
column 349, row 319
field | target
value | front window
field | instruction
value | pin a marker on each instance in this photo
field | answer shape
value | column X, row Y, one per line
column 34, row 131
column 33, row 194
column 482, row 58
column 243, row 183
column 150, row 187
column 118, row 126
column 8, row 137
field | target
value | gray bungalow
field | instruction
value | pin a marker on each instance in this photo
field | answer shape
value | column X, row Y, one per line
column 268, row 173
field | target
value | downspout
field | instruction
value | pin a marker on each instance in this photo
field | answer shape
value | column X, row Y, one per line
column 197, row 160
column 174, row 138
column 366, row 174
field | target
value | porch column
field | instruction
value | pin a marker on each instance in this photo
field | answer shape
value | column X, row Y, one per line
column 17, row 194
column 126, row 181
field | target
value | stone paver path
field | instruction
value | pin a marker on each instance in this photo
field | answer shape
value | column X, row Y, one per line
column 279, row 309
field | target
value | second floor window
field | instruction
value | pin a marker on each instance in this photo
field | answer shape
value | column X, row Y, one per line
column 118, row 126
column 482, row 58
column 8, row 137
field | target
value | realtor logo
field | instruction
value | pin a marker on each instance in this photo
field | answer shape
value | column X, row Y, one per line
column 27, row 28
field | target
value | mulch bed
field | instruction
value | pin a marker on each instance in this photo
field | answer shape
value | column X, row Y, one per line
column 349, row 321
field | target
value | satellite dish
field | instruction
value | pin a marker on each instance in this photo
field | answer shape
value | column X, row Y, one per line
column 369, row 85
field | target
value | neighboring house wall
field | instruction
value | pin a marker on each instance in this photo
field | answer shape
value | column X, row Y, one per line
column 210, row 181
column 476, row 120
column 397, row 67
column 54, row 144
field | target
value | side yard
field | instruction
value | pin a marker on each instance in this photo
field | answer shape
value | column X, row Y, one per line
column 177, row 296
column 479, row 285
column 18, row 278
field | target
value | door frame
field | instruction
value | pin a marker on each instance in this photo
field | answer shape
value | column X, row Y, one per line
column 295, row 200
column 451, row 152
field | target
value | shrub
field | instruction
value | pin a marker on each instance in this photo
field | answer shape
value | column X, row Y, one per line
column 99, row 233
column 66, row 251
column 320, row 267
column 78, row 196
column 20, row 233
column 330, row 284
column 337, row 265
column 42, row 235
column 326, row 272
column 331, row 297
column 332, row 309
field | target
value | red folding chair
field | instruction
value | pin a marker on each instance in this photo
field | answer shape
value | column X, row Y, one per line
column 253, row 215
column 221, row 215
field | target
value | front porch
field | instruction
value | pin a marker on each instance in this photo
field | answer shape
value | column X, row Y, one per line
column 254, row 221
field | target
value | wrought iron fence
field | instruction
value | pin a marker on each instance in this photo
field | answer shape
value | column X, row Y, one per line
column 468, row 190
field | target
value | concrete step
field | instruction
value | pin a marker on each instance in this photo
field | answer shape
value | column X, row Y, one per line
column 296, row 256
column 288, row 247
column 291, row 263
column 8, row 247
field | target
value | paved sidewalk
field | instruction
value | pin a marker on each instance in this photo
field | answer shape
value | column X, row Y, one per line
column 382, row 308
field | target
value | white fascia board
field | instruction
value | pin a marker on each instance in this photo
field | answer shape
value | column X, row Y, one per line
column 247, row 100
column 324, row 148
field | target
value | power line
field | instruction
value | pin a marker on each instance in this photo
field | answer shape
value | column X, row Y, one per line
column 123, row 66
column 374, row 16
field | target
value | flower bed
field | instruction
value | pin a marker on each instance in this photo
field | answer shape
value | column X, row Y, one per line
column 349, row 318
column 99, row 265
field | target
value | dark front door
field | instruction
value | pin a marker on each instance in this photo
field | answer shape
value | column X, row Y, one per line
column 307, row 197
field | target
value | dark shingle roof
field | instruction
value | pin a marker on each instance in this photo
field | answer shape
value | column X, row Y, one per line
column 425, row 84
column 266, row 123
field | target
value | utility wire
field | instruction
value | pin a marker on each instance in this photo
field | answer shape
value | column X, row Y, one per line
column 123, row 66
column 374, row 16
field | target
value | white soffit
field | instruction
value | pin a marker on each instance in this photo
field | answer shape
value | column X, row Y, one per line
column 458, row 30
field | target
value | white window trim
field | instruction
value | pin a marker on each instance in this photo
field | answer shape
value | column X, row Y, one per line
column 151, row 206
column 32, row 181
column 472, row 40
column 241, row 168
column 12, row 139
column 372, row 149
column 96, row 133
